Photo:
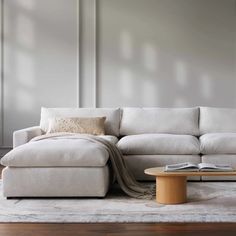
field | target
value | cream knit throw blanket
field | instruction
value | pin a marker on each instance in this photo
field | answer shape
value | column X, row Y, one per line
column 124, row 177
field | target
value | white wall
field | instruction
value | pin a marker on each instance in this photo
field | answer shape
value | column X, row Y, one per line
column 169, row 53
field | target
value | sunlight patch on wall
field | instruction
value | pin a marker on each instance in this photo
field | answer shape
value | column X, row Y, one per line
column 24, row 101
column 8, row 61
column 149, row 92
column 181, row 74
column 25, row 73
column 206, row 86
column 25, row 34
column 149, row 57
column 27, row 4
column 126, row 84
column 180, row 102
column 126, row 45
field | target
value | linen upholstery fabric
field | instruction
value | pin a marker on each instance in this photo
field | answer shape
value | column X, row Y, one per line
column 220, row 159
column 25, row 135
column 218, row 143
column 159, row 120
column 81, row 125
column 138, row 163
column 56, row 181
column 112, row 116
column 217, row 120
column 151, row 144
column 55, row 153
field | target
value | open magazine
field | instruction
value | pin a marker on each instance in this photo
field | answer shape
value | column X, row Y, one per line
column 187, row 166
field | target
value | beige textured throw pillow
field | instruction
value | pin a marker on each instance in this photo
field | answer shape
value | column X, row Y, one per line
column 81, row 125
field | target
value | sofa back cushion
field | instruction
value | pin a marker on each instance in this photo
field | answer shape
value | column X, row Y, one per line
column 159, row 120
column 112, row 115
column 217, row 120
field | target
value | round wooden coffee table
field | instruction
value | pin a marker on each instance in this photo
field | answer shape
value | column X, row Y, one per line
column 172, row 186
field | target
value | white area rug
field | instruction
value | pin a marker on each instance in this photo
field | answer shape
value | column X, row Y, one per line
column 208, row 202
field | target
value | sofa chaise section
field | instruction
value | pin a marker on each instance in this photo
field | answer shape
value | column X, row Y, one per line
column 77, row 168
column 56, row 168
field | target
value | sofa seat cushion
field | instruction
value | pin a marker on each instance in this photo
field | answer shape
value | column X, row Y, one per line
column 153, row 144
column 58, row 153
column 218, row 143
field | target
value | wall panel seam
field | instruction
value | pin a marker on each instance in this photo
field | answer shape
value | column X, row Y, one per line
column 78, row 28
column 95, row 53
column 2, row 73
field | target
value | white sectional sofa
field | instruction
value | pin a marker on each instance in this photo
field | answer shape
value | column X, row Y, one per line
column 147, row 137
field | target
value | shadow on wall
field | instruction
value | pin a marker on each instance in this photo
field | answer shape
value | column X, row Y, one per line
column 167, row 53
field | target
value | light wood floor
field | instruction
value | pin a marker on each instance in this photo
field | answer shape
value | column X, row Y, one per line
column 32, row 229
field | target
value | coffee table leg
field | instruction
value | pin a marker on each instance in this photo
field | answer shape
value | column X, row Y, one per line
column 171, row 189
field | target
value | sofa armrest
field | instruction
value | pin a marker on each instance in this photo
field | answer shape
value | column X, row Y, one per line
column 25, row 135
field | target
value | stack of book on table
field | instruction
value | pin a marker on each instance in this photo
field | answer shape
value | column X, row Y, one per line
column 187, row 166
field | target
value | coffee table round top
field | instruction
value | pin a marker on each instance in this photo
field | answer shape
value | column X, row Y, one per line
column 159, row 171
